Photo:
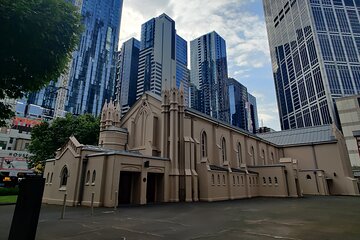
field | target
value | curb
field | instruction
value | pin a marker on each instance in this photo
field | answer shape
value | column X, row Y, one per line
column 6, row 204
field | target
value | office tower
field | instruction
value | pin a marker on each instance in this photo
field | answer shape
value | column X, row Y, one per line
column 157, row 58
column 238, row 101
column 315, row 48
column 209, row 73
column 194, row 94
column 253, row 122
column 182, row 71
column 91, row 74
column 126, row 73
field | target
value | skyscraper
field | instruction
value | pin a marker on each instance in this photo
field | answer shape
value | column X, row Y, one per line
column 126, row 73
column 253, row 122
column 157, row 60
column 315, row 48
column 242, row 106
column 182, row 71
column 91, row 75
column 209, row 74
column 238, row 101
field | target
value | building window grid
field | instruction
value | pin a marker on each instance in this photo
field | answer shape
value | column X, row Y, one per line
column 317, row 84
column 330, row 19
column 338, row 48
column 350, row 49
column 346, row 80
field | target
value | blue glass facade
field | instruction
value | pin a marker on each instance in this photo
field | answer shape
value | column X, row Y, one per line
column 253, row 122
column 91, row 79
column 238, row 99
column 315, row 55
column 92, row 75
column 182, row 72
column 209, row 75
column 126, row 74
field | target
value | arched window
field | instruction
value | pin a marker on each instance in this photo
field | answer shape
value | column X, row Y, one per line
column 47, row 177
column 93, row 177
column 234, row 180
column 88, row 177
column 223, row 179
column 51, row 176
column 250, row 180
column 272, row 157
column 263, row 155
column 223, row 149
column 269, row 180
column 242, row 179
column 275, row 180
column 203, row 144
column 252, row 156
column 239, row 154
column 213, row 179
column 238, row 180
column 218, row 177
column 264, row 180
column 64, row 176
column 308, row 176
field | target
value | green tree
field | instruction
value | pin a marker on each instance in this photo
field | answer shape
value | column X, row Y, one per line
column 47, row 138
column 37, row 39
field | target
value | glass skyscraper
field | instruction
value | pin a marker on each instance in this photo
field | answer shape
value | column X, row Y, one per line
column 209, row 74
column 162, row 58
column 253, row 122
column 242, row 106
column 91, row 76
column 182, row 71
column 315, row 52
column 126, row 73
column 238, row 99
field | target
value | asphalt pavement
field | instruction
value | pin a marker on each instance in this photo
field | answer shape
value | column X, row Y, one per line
column 320, row 218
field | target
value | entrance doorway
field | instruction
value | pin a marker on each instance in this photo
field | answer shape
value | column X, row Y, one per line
column 155, row 188
column 129, row 188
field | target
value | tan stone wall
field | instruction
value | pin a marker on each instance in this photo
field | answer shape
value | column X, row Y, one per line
column 53, row 192
column 272, row 182
column 331, row 158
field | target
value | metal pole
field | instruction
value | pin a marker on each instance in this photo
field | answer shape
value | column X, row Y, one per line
column 64, row 206
column 115, row 200
column 92, row 203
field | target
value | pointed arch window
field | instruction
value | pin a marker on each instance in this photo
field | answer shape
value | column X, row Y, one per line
column 64, row 176
column 223, row 149
column 252, row 156
column 263, row 155
column 239, row 154
column 93, row 177
column 203, row 144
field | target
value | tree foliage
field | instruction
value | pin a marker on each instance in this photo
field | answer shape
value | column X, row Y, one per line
column 47, row 138
column 37, row 39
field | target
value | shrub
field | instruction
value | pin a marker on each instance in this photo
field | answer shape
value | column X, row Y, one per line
column 9, row 191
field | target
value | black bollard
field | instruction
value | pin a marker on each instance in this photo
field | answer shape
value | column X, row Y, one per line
column 27, row 210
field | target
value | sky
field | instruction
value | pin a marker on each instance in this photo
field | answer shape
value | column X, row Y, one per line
column 240, row 22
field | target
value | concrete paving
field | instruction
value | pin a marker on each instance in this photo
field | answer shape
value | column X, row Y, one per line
column 261, row 218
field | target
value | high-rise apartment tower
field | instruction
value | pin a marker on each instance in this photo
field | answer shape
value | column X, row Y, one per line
column 209, row 74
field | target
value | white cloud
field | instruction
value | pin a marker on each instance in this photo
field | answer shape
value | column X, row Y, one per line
column 243, row 31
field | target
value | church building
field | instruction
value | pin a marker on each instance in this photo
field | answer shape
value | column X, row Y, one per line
column 161, row 151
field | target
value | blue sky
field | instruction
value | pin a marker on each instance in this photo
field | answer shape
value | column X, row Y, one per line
column 240, row 22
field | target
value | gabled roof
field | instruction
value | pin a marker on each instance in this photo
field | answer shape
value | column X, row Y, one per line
column 301, row 136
